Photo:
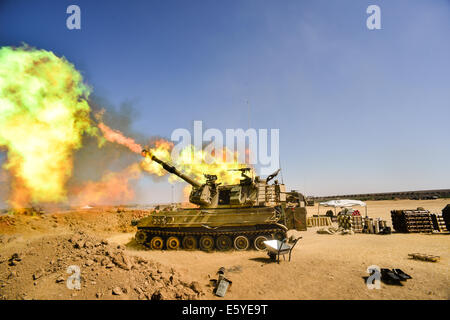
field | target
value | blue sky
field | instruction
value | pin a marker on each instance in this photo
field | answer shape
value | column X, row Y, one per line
column 358, row 110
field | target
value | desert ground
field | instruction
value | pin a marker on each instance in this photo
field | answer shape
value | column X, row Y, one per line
column 35, row 252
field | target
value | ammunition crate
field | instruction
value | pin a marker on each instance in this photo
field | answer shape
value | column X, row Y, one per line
column 446, row 216
column 318, row 221
column 406, row 221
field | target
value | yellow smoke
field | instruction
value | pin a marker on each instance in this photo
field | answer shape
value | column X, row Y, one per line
column 195, row 163
column 43, row 115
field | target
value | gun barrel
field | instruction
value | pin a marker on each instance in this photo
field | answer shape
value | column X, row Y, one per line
column 171, row 169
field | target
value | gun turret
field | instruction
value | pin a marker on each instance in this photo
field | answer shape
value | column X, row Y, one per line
column 246, row 179
column 171, row 169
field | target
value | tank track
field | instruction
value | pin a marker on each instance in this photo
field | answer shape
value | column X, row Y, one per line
column 252, row 234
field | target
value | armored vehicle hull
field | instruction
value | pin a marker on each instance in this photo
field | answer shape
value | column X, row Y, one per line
column 221, row 229
column 239, row 216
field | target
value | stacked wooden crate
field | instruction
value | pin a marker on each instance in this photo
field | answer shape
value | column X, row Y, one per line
column 438, row 223
column 348, row 222
column 412, row 221
column 261, row 193
column 344, row 221
column 361, row 224
column 318, row 221
column 441, row 223
column 357, row 224
column 271, row 195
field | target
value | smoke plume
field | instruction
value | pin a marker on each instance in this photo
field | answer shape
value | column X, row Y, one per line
column 43, row 115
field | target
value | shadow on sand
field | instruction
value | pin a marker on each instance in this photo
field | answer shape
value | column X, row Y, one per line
column 263, row 260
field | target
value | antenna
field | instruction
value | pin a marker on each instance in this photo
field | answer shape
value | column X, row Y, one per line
column 281, row 171
column 248, row 108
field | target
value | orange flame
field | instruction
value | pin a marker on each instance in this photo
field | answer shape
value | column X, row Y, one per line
column 161, row 150
column 117, row 137
column 114, row 187
column 187, row 163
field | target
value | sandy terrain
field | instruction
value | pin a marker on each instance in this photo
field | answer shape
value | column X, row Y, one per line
column 322, row 266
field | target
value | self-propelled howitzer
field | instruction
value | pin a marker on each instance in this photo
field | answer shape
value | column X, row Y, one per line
column 238, row 216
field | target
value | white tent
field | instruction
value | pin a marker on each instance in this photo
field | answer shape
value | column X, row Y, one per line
column 345, row 203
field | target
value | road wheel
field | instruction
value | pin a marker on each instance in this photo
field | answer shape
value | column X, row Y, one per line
column 157, row 243
column 206, row 243
column 141, row 237
column 173, row 243
column 241, row 243
column 258, row 243
column 189, row 243
column 224, row 243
